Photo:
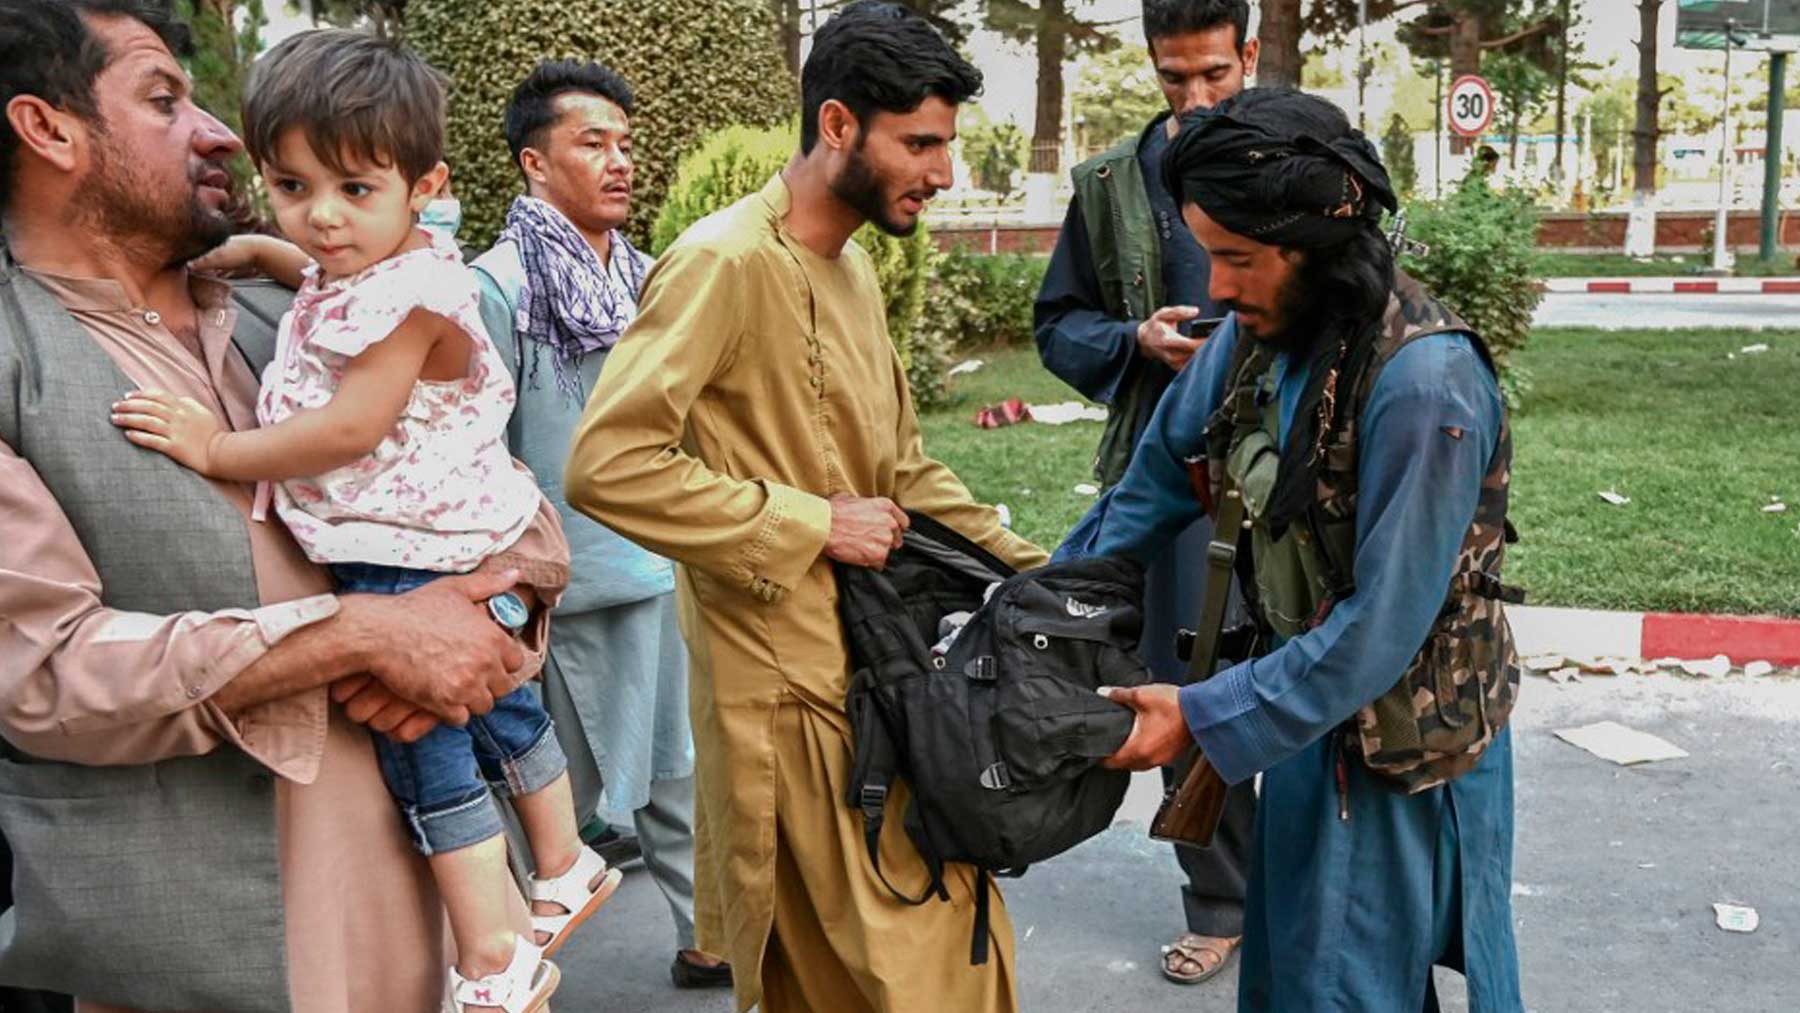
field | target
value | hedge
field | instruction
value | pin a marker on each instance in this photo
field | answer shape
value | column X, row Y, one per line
column 694, row 65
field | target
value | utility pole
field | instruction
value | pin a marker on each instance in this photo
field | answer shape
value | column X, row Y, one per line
column 1362, row 62
column 1437, row 134
column 1721, row 256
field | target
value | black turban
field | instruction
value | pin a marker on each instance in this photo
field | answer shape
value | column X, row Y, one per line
column 1278, row 166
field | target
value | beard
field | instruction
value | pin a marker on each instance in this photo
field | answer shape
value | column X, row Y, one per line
column 862, row 188
column 124, row 202
column 1298, row 314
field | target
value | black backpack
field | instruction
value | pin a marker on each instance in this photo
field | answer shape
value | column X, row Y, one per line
column 1000, row 737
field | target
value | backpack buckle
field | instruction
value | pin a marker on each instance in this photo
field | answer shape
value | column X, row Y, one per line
column 873, row 798
column 980, row 669
column 996, row 777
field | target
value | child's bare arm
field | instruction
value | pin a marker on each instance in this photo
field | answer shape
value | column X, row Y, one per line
column 277, row 258
column 374, row 392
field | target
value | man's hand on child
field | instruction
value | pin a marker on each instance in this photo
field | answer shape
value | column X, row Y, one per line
column 180, row 427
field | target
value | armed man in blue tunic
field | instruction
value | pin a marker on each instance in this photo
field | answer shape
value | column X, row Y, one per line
column 1359, row 423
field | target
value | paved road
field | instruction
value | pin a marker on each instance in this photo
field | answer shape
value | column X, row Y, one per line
column 1686, row 311
column 1616, row 872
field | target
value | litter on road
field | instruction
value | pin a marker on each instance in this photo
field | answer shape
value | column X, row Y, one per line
column 1757, row 669
column 1624, row 746
column 1736, row 917
column 1714, row 667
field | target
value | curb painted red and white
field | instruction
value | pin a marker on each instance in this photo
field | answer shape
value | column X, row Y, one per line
column 1596, row 634
column 1668, row 286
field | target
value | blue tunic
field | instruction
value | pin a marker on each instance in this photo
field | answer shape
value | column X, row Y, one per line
column 1349, row 914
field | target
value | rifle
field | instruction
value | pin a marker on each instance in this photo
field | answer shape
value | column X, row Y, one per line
column 1191, row 810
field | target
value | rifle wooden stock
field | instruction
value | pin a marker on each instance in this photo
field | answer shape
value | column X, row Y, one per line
column 1190, row 811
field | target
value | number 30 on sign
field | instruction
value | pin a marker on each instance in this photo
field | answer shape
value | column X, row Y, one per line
column 1471, row 105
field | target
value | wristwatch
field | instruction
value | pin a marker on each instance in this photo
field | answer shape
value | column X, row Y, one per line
column 508, row 609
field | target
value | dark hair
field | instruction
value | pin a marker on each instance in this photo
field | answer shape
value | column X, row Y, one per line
column 532, row 107
column 1163, row 18
column 354, row 95
column 879, row 57
column 47, row 50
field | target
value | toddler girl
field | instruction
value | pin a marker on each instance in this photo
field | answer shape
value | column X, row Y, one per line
column 383, row 418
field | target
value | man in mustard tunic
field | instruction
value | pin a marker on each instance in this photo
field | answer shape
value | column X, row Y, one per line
column 754, row 424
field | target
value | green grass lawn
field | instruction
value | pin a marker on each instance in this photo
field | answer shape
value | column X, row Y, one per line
column 1554, row 264
column 1699, row 442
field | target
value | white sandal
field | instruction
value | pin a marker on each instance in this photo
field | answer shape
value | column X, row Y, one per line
column 524, row 987
column 570, row 891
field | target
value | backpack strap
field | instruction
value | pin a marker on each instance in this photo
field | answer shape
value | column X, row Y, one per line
column 872, row 775
column 978, row 946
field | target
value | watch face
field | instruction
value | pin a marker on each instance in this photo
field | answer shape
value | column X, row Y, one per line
column 509, row 610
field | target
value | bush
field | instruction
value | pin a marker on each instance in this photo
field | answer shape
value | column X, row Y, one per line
column 735, row 162
column 1482, row 262
column 695, row 66
column 978, row 300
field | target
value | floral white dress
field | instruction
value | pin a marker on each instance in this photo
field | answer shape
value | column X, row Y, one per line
column 440, row 492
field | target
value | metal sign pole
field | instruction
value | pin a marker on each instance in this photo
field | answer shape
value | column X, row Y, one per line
column 1721, row 258
column 1771, row 205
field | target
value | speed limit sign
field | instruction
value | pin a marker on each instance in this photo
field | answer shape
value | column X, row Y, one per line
column 1471, row 105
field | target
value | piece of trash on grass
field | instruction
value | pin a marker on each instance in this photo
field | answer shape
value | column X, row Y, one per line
column 1775, row 508
column 1614, row 498
column 1005, row 513
column 1087, row 489
column 1714, row 667
column 1756, row 349
column 1758, row 669
column 1624, row 746
column 1066, row 412
column 1006, row 413
column 1736, row 917
column 965, row 366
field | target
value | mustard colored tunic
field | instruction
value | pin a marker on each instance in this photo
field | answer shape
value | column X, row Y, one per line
column 757, row 381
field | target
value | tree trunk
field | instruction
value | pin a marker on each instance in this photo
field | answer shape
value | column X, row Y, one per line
column 1052, row 46
column 787, row 30
column 1512, row 154
column 1562, row 92
column 1280, row 62
column 1646, row 133
column 1465, row 58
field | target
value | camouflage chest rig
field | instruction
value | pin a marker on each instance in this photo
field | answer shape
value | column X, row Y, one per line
column 1458, row 691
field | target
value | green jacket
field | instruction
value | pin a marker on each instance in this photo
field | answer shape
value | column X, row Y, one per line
column 1115, row 207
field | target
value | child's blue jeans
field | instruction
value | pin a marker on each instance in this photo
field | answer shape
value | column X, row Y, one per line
column 441, row 781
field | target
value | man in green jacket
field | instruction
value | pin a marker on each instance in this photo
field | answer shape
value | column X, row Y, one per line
column 1122, row 309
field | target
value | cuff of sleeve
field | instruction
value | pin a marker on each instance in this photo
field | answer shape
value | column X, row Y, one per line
column 1224, row 720
column 795, row 527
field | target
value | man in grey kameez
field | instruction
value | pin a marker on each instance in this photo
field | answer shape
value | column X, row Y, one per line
column 557, row 290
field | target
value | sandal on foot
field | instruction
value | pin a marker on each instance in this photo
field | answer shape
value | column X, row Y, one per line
column 524, row 987
column 571, row 892
column 1187, row 948
column 686, row 973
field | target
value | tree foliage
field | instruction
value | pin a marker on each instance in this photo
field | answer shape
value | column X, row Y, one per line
column 1481, row 260
column 735, row 162
column 1116, row 94
column 995, row 153
column 1397, row 155
column 695, row 66
column 386, row 18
